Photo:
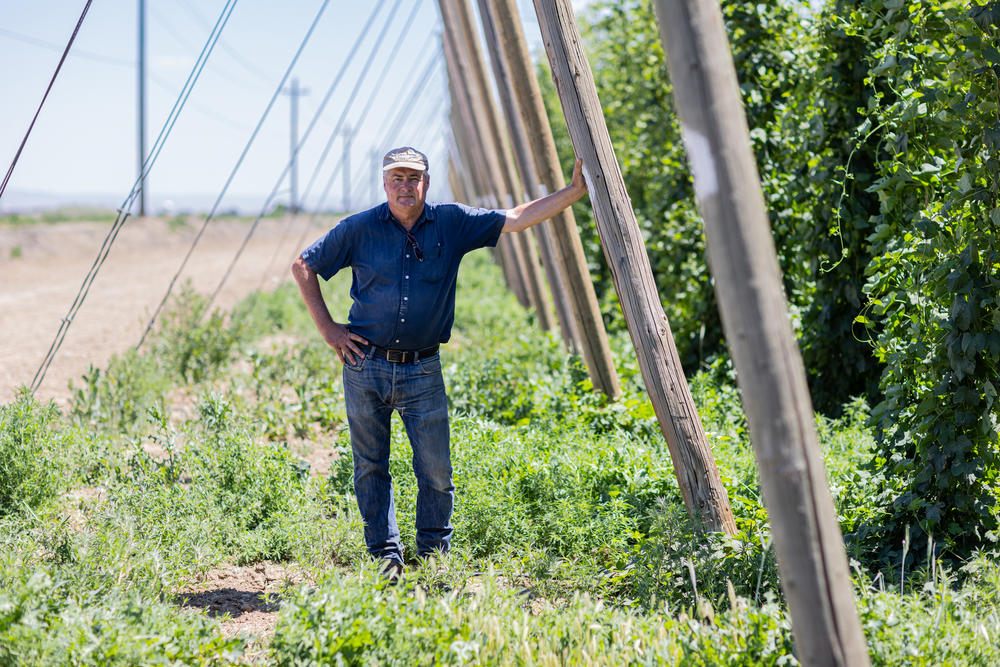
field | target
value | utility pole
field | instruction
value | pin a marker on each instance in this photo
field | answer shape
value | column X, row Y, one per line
column 294, row 92
column 348, row 134
column 772, row 378
column 141, row 111
column 697, row 475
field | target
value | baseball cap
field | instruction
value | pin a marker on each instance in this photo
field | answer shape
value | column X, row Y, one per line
column 404, row 157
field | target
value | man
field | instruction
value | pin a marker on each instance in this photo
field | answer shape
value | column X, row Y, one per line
column 404, row 256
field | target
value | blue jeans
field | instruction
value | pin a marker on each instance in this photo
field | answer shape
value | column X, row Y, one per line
column 373, row 388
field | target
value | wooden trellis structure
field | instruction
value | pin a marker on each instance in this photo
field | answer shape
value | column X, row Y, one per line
column 772, row 379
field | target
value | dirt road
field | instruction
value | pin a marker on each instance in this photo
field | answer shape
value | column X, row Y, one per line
column 42, row 267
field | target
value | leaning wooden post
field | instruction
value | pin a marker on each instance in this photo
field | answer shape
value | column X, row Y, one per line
column 457, row 15
column 697, row 475
column 569, row 248
column 510, row 253
column 772, row 379
column 528, row 178
column 458, row 190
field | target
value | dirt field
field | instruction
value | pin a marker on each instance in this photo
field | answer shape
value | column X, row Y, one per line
column 42, row 267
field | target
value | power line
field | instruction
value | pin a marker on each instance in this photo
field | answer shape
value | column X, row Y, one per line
column 200, row 108
column 232, row 173
column 167, row 25
column 368, row 104
column 253, row 227
column 375, row 89
column 78, row 53
column 125, row 209
column 17, row 155
column 418, row 87
column 118, row 62
column 233, row 53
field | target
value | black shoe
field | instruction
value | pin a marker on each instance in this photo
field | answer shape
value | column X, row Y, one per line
column 392, row 571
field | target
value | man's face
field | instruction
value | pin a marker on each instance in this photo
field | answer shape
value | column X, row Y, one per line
column 405, row 190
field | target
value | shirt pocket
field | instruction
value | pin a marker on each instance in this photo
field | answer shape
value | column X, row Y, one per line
column 435, row 265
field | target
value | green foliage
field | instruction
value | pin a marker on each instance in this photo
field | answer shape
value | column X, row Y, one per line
column 935, row 273
column 571, row 546
column 192, row 345
column 226, row 489
column 630, row 72
column 120, row 396
column 822, row 208
column 45, row 621
column 31, row 463
column 359, row 622
column 875, row 129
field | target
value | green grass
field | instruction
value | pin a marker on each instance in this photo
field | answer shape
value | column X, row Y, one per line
column 572, row 545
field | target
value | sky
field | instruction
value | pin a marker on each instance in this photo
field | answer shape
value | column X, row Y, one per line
column 83, row 147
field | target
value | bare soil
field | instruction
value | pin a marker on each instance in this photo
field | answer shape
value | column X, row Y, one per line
column 42, row 267
column 246, row 599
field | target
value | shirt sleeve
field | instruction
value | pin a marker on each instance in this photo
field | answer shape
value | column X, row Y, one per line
column 331, row 252
column 480, row 227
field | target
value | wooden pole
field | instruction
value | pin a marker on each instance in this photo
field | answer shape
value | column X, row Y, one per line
column 569, row 250
column 510, row 253
column 697, row 475
column 458, row 190
column 457, row 18
column 529, row 178
column 772, row 378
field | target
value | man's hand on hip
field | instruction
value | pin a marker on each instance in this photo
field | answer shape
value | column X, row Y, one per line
column 344, row 342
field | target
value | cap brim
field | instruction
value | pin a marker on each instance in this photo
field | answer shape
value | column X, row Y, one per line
column 407, row 165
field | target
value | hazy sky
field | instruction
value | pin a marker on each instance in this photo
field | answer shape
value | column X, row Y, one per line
column 83, row 147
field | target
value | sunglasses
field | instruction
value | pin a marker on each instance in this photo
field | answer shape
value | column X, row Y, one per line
column 416, row 248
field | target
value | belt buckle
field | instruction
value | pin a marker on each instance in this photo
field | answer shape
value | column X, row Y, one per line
column 396, row 356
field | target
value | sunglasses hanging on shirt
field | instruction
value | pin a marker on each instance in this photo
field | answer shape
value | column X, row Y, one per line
column 416, row 248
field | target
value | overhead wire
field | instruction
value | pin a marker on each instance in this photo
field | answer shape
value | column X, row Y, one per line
column 375, row 89
column 405, row 110
column 232, row 173
column 48, row 89
column 77, row 53
column 423, row 127
column 305, row 136
column 233, row 53
column 120, row 62
column 418, row 87
column 164, row 23
column 126, row 207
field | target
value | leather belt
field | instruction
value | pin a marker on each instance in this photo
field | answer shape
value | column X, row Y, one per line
column 403, row 356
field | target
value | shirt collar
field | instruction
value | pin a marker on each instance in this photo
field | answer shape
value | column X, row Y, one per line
column 429, row 213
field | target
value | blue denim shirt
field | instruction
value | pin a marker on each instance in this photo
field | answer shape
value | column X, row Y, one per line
column 399, row 301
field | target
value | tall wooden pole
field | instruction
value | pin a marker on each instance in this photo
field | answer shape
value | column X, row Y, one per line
column 529, row 178
column 474, row 150
column 772, row 379
column 457, row 18
column 572, row 259
column 697, row 475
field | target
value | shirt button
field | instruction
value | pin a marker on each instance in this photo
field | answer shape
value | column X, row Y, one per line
column 407, row 277
column 397, row 340
column 402, row 319
column 407, row 255
column 406, row 298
